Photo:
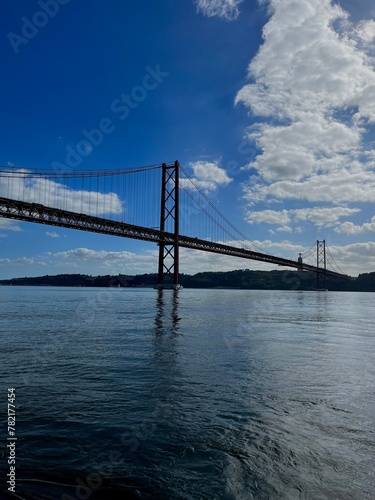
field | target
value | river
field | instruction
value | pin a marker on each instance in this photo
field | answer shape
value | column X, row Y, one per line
column 194, row 394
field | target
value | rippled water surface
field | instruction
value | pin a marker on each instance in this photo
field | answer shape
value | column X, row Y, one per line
column 196, row 394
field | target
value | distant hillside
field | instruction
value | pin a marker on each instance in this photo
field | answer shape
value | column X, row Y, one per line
column 240, row 279
column 364, row 283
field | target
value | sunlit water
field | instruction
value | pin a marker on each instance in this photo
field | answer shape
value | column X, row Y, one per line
column 196, row 394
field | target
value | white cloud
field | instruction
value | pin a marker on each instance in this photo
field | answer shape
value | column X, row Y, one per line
column 269, row 217
column 86, row 254
column 352, row 259
column 226, row 9
column 9, row 225
column 207, row 176
column 305, row 65
column 320, row 216
column 351, row 228
column 284, row 229
column 313, row 87
column 311, row 145
column 355, row 258
column 287, row 247
column 102, row 262
column 21, row 260
column 337, row 187
column 195, row 261
column 52, row 234
column 21, row 185
column 89, row 261
column 323, row 216
column 366, row 30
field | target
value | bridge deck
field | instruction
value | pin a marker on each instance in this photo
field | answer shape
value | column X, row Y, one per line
column 32, row 212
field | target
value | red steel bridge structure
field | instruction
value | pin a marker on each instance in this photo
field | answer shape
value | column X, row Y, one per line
column 80, row 199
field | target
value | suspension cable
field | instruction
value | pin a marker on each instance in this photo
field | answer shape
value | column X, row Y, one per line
column 47, row 172
column 334, row 261
column 205, row 197
column 308, row 252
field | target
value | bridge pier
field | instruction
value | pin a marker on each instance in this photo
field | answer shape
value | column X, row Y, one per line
column 168, row 286
column 168, row 270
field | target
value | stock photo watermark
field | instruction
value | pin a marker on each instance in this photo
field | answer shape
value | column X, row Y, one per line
column 11, row 440
column 121, row 107
column 31, row 27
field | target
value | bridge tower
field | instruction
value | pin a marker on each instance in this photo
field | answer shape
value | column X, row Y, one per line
column 169, row 213
column 321, row 264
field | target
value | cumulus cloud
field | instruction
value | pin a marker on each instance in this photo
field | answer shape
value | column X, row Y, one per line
column 323, row 216
column 102, row 261
column 338, row 187
column 95, row 262
column 284, row 229
column 195, row 261
column 287, row 247
column 9, row 225
column 269, row 217
column 313, row 91
column 320, row 216
column 207, row 176
column 86, row 254
column 351, row 228
column 366, row 30
column 19, row 261
column 355, row 258
column 225, row 9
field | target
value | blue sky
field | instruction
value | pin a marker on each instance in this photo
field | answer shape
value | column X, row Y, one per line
column 269, row 104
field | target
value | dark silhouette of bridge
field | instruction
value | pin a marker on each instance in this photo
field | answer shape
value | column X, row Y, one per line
column 43, row 197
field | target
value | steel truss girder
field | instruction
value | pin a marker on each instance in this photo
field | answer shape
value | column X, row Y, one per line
column 31, row 212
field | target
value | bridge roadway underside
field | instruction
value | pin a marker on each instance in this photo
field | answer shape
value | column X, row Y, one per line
column 32, row 212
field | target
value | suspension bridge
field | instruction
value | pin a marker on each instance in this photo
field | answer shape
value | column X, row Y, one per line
column 156, row 203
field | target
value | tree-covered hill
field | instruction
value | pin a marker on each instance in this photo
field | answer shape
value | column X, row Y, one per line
column 240, row 279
